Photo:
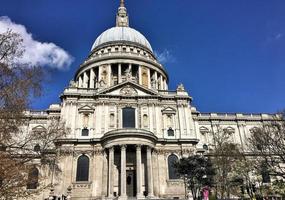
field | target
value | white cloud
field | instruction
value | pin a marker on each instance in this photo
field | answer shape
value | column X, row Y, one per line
column 164, row 56
column 37, row 53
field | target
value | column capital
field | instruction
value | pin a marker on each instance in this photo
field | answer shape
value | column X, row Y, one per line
column 123, row 147
column 149, row 148
column 138, row 146
column 111, row 148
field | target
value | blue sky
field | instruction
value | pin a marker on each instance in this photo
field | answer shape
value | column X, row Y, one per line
column 229, row 54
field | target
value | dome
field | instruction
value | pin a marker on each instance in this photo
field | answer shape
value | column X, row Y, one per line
column 122, row 34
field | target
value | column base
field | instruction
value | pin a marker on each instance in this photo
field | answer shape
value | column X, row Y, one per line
column 151, row 197
column 140, row 196
column 124, row 197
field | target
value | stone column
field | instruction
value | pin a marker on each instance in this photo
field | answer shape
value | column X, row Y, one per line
column 149, row 172
column 119, row 73
column 92, row 77
column 139, row 172
column 140, row 75
column 111, row 172
column 80, row 81
column 156, row 80
column 85, row 80
column 160, row 83
column 109, row 75
column 148, row 76
column 123, row 171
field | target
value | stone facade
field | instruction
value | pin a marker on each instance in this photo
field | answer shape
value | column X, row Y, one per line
column 126, row 123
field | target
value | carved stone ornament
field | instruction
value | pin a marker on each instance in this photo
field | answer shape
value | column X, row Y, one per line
column 72, row 83
column 99, row 151
column 128, row 91
column 166, row 151
column 81, row 185
column 188, row 151
column 80, row 152
column 65, row 151
column 180, row 87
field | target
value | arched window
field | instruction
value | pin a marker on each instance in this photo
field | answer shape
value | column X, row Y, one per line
column 33, row 178
column 170, row 132
column 85, row 132
column 82, row 172
column 172, row 174
column 129, row 117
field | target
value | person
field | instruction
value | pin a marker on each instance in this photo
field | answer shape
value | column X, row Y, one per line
column 205, row 193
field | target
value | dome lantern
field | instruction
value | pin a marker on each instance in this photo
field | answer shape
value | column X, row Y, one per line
column 122, row 19
column 122, row 32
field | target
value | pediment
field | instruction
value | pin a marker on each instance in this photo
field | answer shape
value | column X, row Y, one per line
column 128, row 89
column 39, row 128
column 86, row 108
column 168, row 110
column 229, row 130
column 203, row 129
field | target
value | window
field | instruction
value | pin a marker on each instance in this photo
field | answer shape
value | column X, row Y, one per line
column 129, row 116
column 82, row 172
column 33, row 178
column 85, row 132
column 172, row 174
column 170, row 132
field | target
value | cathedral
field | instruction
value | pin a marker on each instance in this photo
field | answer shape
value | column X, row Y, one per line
column 126, row 126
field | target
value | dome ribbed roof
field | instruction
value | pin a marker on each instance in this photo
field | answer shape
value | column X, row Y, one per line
column 116, row 34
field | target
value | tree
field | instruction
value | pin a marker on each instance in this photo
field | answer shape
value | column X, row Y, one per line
column 268, row 144
column 18, row 148
column 197, row 171
column 225, row 156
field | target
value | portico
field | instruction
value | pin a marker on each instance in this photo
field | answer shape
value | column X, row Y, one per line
column 130, row 175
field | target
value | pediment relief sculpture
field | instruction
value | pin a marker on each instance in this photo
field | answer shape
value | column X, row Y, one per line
column 128, row 91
